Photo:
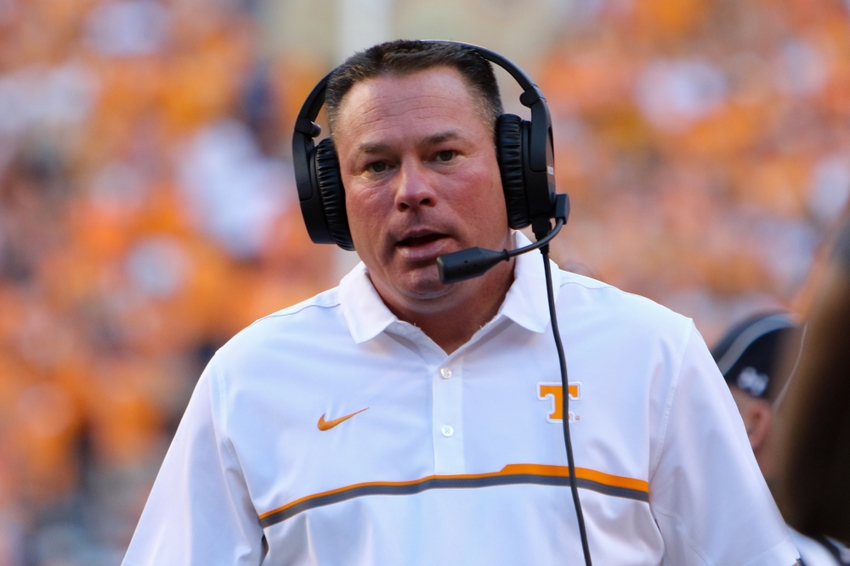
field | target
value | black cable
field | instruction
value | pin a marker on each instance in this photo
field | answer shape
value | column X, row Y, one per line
column 474, row 262
column 544, row 250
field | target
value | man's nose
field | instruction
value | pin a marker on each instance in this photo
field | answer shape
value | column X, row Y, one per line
column 415, row 187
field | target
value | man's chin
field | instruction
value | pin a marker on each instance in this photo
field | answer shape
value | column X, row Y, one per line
column 426, row 288
column 420, row 288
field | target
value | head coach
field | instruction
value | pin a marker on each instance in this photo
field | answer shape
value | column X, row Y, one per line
column 398, row 420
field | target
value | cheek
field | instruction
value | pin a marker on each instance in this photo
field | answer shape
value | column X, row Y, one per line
column 486, row 200
column 365, row 209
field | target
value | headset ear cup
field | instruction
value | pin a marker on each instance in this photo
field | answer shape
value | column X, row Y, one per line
column 332, row 193
column 509, row 151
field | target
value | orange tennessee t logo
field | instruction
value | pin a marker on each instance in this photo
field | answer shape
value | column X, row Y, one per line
column 556, row 392
column 327, row 425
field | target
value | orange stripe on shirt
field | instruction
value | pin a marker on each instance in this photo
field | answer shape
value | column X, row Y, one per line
column 537, row 470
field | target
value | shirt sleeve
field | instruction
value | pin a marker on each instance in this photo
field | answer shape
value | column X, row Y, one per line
column 199, row 511
column 707, row 493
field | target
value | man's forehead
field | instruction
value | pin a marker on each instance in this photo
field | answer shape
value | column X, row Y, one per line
column 434, row 139
column 392, row 94
column 399, row 88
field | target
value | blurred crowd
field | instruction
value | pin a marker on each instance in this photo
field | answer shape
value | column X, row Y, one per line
column 146, row 215
column 147, row 208
column 705, row 145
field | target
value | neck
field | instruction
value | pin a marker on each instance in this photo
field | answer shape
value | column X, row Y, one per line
column 452, row 321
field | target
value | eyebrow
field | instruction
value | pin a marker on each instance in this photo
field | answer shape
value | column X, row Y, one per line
column 373, row 147
column 430, row 140
column 441, row 137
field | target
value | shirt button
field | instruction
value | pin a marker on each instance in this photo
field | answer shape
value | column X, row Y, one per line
column 447, row 430
column 446, row 373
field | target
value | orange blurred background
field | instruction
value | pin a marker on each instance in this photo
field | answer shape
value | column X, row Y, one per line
column 147, row 206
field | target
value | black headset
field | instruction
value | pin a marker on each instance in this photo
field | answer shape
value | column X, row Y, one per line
column 524, row 150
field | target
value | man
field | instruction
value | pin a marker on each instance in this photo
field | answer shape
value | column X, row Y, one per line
column 396, row 420
column 750, row 356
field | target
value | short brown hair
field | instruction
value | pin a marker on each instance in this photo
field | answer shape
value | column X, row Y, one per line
column 403, row 57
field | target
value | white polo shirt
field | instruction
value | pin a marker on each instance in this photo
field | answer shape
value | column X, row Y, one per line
column 331, row 433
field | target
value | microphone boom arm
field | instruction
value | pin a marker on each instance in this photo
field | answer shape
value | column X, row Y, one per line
column 474, row 262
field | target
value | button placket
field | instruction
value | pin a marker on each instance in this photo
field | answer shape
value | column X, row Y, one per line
column 448, row 418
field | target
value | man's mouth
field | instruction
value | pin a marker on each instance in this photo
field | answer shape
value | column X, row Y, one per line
column 421, row 240
column 423, row 246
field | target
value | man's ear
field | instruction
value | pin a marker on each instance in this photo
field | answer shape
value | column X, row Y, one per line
column 758, row 419
column 757, row 415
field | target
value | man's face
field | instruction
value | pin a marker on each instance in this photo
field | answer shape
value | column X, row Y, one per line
column 421, row 180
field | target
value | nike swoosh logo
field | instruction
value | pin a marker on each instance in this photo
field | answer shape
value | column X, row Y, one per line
column 327, row 425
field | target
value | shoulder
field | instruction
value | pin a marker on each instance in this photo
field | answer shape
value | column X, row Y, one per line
column 288, row 329
column 597, row 303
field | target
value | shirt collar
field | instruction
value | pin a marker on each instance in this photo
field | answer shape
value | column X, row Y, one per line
column 525, row 303
column 362, row 306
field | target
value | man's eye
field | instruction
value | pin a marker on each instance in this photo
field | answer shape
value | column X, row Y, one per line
column 446, row 155
column 377, row 167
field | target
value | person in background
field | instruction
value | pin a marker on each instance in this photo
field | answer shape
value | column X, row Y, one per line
column 750, row 357
column 813, row 439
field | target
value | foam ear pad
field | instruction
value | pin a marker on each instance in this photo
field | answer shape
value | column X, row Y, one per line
column 509, row 136
column 332, row 193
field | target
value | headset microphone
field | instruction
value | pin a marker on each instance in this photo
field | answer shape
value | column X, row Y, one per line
column 474, row 262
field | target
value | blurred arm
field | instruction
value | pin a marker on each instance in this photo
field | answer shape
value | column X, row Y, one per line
column 813, row 490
